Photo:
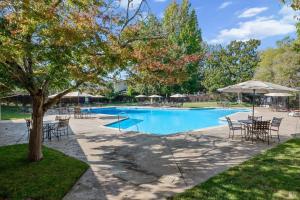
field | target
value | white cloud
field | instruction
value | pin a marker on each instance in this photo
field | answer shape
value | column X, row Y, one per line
column 225, row 4
column 260, row 28
column 133, row 5
column 251, row 12
column 160, row 0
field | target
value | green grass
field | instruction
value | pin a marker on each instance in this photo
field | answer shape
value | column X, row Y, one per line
column 274, row 175
column 50, row 178
column 12, row 112
column 213, row 104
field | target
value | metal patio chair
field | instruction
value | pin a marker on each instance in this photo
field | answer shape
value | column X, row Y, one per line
column 234, row 127
column 275, row 125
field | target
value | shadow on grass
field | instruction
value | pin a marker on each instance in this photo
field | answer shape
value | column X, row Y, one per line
column 272, row 175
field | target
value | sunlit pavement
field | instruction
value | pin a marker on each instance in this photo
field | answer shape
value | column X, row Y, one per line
column 141, row 166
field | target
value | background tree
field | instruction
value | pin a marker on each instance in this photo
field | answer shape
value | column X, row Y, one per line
column 181, row 26
column 229, row 65
column 170, row 62
column 280, row 65
column 59, row 44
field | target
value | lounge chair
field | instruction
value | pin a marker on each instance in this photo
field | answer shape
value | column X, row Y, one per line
column 295, row 113
column 234, row 127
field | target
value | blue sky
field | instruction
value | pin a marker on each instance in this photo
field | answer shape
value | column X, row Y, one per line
column 223, row 21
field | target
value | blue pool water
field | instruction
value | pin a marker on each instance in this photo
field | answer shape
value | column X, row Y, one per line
column 166, row 121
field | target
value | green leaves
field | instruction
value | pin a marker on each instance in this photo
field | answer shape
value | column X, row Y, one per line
column 231, row 64
column 280, row 65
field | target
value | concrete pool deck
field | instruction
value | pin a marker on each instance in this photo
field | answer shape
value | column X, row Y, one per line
column 141, row 166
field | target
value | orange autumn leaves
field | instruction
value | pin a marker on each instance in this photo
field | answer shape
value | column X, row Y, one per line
column 160, row 62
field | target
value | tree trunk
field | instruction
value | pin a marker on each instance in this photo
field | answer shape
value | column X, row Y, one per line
column 36, row 132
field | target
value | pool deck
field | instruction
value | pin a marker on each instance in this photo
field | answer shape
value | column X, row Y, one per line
column 140, row 166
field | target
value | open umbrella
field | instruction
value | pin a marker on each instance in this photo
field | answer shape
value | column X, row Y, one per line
column 256, row 87
column 141, row 96
column 74, row 95
column 178, row 96
column 155, row 96
column 98, row 96
column 278, row 95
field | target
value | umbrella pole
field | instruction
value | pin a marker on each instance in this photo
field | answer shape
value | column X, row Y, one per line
column 253, row 104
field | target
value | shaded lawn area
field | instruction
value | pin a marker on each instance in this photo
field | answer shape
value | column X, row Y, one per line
column 51, row 178
column 12, row 112
column 213, row 104
column 274, row 174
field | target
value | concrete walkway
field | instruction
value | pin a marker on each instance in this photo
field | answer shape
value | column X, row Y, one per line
column 141, row 166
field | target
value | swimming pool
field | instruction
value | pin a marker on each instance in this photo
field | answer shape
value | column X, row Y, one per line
column 163, row 121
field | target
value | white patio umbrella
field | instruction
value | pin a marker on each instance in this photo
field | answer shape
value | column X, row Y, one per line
column 178, row 96
column 154, row 97
column 279, row 95
column 98, row 96
column 74, row 95
column 141, row 96
column 256, row 87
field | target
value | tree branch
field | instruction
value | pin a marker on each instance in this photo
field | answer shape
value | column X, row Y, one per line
column 51, row 101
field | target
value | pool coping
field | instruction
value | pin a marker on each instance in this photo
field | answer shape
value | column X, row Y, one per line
column 173, row 134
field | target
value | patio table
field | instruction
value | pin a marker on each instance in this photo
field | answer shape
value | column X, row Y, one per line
column 248, row 127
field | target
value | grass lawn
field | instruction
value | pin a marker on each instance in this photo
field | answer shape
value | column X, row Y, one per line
column 51, row 178
column 213, row 104
column 12, row 112
column 274, row 174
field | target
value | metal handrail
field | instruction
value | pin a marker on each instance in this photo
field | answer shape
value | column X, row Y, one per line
column 119, row 115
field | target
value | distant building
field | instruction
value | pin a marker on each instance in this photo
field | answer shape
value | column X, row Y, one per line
column 120, row 86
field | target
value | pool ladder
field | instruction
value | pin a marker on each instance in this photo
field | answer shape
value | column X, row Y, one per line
column 119, row 120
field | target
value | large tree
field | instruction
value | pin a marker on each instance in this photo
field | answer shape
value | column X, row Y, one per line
column 159, row 63
column 181, row 26
column 231, row 64
column 59, row 44
column 280, row 65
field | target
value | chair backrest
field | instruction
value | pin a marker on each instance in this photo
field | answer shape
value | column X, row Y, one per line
column 261, row 125
column 63, row 122
column 276, row 122
column 28, row 123
column 57, row 117
column 77, row 110
column 229, row 122
column 256, row 118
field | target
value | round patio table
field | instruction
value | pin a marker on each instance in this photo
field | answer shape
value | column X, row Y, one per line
column 247, row 123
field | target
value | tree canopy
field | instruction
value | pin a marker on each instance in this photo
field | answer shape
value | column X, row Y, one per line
column 280, row 65
column 229, row 65
column 170, row 63
column 60, row 44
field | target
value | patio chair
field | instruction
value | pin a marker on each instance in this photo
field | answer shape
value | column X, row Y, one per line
column 62, row 127
column 57, row 117
column 28, row 125
column 261, row 130
column 49, row 129
column 256, row 118
column 234, row 127
column 275, row 124
column 77, row 113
